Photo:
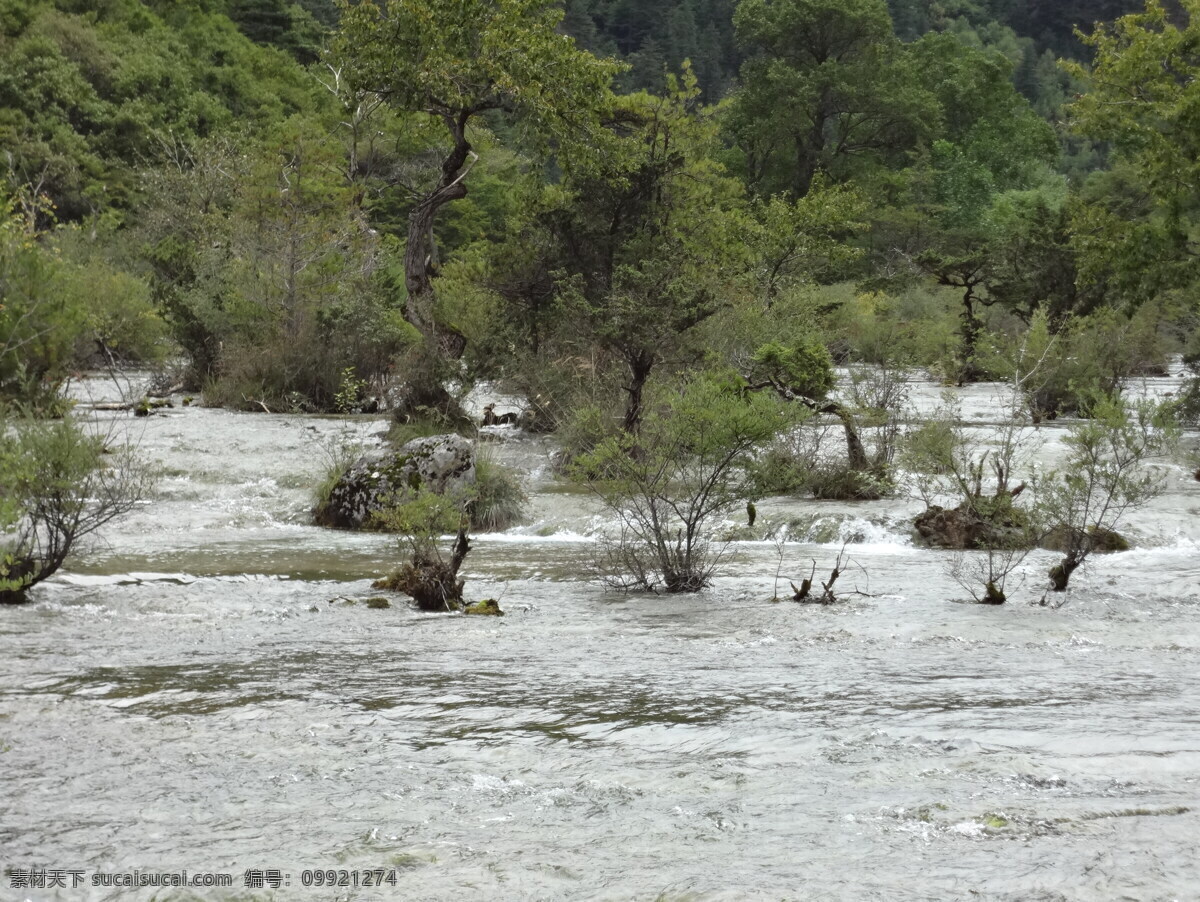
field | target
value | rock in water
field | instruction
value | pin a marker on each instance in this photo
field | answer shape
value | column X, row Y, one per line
column 963, row 527
column 441, row 463
column 489, row 607
column 954, row 528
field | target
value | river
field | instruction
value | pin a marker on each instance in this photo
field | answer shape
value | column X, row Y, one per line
column 206, row 690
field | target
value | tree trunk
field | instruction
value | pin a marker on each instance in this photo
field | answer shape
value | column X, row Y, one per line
column 420, row 253
column 856, row 454
column 972, row 327
column 1060, row 574
column 640, row 365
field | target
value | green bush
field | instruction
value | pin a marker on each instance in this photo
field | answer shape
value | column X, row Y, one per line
column 667, row 487
column 498, row 501
column 428, row 576
column 339, row 454
column 40, row 321
column 839, row 482
column 60, row 485
column 784, row 468
column 582, row 432
column 1061, row 371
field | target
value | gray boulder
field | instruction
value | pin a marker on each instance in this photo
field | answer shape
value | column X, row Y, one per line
column 441, row 463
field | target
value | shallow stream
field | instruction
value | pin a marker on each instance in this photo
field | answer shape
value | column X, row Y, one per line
column 199, row 692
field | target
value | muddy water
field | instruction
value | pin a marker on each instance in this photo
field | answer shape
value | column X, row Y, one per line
column 198, row 693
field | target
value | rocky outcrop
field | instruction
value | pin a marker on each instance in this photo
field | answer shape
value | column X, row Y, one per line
column 440, row 463
column 1093, row 539
column 963, row 527
column 489, row 607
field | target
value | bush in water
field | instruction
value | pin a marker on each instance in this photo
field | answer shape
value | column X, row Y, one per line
column 60, row 485
column 1105, row 476
column 668, row 485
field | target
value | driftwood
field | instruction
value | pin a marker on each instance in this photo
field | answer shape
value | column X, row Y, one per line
column 142, row 404
column 804, row 593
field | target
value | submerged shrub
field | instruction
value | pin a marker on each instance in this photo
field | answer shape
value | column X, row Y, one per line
column 428, row 576
column 670, row 484
column 801, row 462
column 1061, row 371
column 834, row 482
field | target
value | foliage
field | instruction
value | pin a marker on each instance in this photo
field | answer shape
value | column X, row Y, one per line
column 338, row 455
column 1142, row 96
column 667, row 487
column 804, row 461
column 428, row 576
column 498, row 499
column 807, row 239
column 656, row 38
column 39, row 322
column 59, row 487
column 1189, row 399
column 351, row 391
column 914, row 327
column 452, row 62
column 270, row 278
column 979, row 475
column 641, row 248
column 826, row 85
column 1061, row 372
column 804, row 368
column 421, row 518
column 88, row 93
column 1105, row 475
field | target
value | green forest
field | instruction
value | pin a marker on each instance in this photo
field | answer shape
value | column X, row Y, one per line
column 320, row 207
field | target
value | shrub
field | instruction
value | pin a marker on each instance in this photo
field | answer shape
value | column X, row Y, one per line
column 582, row 432
column 498, row 500
column 60, row 485
column 1060, row 372
column 429, row 577
column 40, row 321
column 339, row 455
column 1104, row 477
column 839, row 482
column 786, row 466
column 685, row 469
column 800, row 462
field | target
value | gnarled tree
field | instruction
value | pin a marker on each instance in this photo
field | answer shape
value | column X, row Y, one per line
column 455, row 61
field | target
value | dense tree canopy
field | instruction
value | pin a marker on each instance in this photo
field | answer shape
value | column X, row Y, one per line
column 453, row 62
column 314, row 201
column 1143, row 97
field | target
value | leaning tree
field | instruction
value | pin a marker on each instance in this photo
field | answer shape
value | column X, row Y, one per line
column 456, row 62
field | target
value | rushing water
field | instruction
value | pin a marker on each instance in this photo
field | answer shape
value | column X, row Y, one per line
column 199, row 692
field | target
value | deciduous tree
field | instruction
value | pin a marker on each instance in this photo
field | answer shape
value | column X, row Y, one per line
column 455, row 62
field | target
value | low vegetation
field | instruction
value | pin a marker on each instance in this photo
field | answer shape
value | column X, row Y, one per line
column 61, row 484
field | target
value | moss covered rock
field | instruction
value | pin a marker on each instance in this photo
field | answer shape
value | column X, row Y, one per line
column 1097, row 539
column 975, row 526
column 440, row 463
column 489, row 607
